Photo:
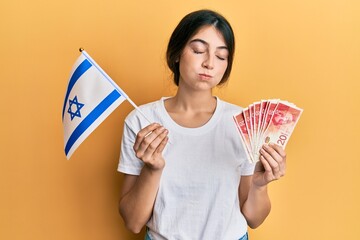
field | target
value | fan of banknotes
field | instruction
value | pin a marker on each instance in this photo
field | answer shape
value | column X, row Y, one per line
column 266, row 121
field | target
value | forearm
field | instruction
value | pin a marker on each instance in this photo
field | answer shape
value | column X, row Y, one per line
column 257, row 206
column 136, row 206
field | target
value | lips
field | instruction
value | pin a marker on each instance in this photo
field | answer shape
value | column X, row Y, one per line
column 205, row 76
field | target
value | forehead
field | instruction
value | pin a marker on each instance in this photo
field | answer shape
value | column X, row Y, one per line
column 209, row 34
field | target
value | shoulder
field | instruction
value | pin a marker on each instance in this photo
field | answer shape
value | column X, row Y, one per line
column 145, row 108
column 137, row 121
column 229, row 108
column 227, row 111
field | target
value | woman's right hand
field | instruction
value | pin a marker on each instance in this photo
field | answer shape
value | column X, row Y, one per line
column 149, row 144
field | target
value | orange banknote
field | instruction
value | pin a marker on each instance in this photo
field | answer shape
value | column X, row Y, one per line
column 266, row 121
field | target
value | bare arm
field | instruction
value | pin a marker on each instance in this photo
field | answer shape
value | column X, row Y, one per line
column 254, row 199
column 139, row 192
column 254, row 202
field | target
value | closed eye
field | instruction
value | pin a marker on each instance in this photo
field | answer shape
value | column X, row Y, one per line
column 198, row 52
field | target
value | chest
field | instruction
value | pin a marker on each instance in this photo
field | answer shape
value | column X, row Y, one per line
column 191, row 119
column 200, row 163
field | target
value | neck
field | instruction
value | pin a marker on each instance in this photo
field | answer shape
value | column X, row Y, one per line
column 191, row 109
column 194, row 101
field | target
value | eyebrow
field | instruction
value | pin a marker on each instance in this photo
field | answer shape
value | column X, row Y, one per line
column 206, row 43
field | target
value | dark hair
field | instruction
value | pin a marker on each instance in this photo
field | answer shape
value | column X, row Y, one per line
column 187, row 28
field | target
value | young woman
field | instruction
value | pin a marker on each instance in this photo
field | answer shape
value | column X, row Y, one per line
column 187, row 175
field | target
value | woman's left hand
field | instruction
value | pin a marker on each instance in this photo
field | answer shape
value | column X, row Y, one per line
column 271, row 166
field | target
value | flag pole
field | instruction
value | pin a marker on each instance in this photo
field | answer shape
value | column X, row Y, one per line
column 113, row 83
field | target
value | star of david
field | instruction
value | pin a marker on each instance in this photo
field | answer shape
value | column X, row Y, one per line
column 78, row 107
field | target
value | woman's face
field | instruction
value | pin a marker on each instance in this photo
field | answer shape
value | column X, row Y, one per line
column 204, row 60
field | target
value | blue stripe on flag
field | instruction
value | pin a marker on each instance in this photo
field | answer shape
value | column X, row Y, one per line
column 91, row 118
column 80, row 70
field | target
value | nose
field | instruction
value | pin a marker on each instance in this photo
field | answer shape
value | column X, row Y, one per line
column 208, row 62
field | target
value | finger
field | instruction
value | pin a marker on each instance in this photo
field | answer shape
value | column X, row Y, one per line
column 162, row 145
column 272, row 152
column 147, row 140
column 269, row 175
column 275, row 166
column 282, row 160
column 268, row 154
column 143, row 133
column 155, row 146
column 265, row 164
column 279, row 150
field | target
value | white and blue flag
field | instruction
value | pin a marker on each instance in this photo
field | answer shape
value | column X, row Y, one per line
column 90, row 97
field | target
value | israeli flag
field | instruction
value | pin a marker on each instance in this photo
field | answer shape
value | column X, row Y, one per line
column 90, row 97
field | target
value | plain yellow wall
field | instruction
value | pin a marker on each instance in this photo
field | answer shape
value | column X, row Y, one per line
column 307, row 52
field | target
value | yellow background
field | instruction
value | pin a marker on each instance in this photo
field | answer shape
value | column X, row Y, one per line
column 307, row 52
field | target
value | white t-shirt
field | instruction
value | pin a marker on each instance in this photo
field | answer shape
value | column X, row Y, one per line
column 198, row 192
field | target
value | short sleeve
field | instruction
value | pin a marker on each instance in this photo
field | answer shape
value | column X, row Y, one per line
column 247, row 168
column 129, row 163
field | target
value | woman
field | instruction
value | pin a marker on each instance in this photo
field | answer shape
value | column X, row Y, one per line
column 187, row 175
